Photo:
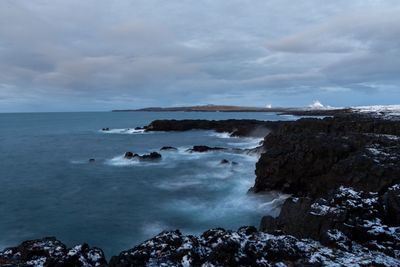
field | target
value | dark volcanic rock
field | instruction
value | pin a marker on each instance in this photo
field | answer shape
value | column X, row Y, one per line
column 245, row 247
column 227, row 162
column 215, row 247
column 129, row 155
column 51, row 252
column 312, row 157
column 234, row 127
column 205, row 149
column 168, row 148
column 151, row 156
column 345, row 217
column 391, row 204
column 105, row 129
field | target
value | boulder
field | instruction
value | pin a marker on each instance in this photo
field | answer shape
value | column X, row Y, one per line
column 224, row 161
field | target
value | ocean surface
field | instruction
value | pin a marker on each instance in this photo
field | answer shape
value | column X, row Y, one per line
column 48, row 187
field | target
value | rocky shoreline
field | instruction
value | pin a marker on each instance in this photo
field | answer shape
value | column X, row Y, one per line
column 343, row 174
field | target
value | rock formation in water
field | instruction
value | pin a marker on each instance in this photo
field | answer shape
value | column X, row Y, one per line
column 234, row 127
column 151, row 156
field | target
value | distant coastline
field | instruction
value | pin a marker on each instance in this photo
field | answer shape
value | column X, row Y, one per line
column 226, row 108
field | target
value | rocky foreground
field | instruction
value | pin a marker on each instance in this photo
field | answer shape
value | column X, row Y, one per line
column 343, row 174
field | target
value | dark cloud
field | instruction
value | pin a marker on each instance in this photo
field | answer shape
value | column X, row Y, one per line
column 100, row 55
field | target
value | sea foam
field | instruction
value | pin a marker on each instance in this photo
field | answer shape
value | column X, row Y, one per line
column 123, row 131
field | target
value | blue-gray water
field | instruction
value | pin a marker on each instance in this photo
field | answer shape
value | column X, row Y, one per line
column 48, row 187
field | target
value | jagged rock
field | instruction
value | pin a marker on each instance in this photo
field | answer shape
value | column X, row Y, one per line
column 346, row 215
column 168, row 148
column 51, row 252
column 312, row 157
column 151, row 156
column 245, row 247
column 391, row 204
column 205, row 149
column 234, row 127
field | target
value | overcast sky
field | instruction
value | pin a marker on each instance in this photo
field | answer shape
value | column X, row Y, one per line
column 76, row 55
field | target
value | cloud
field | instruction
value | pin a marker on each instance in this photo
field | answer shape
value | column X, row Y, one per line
column 76, row 55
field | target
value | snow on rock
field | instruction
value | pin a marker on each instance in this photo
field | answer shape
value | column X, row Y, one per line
column 51, row 252
column 384, row 111
column 245, row 247
column 348, row 220
column 352, row 230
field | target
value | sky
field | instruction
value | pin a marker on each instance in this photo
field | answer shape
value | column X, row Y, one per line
column 96, row 55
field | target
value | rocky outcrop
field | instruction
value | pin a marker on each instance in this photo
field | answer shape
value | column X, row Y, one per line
column 51, row 252
column 344, row 175
column 234, row 127
column 215, row 247
column 151, row 156
column 245, row 247
column 345, row 219
column 391, row 205
column 312, row 157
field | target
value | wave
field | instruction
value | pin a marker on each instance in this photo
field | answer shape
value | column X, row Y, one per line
column 230, row 206
column 236, row 141
column 223, row 135
column 123, row 131
column 122, row 161
column 246, row 142
column 275, row 203
column 177, row 185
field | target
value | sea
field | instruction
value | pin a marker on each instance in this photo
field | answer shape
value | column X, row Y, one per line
column 48, row 186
